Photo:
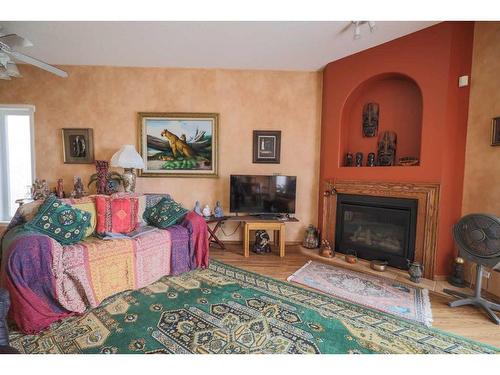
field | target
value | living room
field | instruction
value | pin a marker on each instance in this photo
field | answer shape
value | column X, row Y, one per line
column 241, row 187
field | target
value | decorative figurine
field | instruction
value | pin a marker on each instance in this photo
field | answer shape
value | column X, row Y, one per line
column 359, row 159
column 207, row 212
column 416, row 271
column 370, row 160
column 261, row 244
column 59, row 189
column 40, row 189
column 106, row 182
column 370, row 119
column 386, row 150
column 311, row 238
column 457, row 279
column 326, row 250
column 78, row 190
column 348, row 160
column 197, row 208
column 218, row 210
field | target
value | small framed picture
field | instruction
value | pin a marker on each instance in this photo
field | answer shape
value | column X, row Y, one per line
column 78, row 145
column 495, row 131
column 266, row 146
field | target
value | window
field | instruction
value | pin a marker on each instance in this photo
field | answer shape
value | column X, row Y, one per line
column 16, row 157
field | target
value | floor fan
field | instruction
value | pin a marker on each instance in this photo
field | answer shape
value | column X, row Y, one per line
column 478, row 239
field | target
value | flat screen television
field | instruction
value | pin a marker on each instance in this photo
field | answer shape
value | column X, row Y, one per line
column 254, row 194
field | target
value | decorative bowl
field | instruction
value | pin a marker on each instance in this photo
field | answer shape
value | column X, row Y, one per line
column 378, row 265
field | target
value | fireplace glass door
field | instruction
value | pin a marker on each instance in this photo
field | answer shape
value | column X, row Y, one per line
column 377, row 228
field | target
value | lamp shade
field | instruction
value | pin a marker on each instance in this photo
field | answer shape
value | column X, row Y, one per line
column 127, row 157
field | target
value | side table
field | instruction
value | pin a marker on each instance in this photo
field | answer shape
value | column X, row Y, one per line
column 278, row 227
column 213, row 239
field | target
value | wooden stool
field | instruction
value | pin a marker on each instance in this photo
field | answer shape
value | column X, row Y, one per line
column 277, row 227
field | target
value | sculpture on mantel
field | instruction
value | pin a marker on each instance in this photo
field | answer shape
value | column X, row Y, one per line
column 370, row 160
column 359, row 159
column 348, row 160
column 386, row 151
column 370, row 119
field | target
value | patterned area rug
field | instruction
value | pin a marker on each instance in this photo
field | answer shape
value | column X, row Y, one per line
column 375, row 292
column 224, row 309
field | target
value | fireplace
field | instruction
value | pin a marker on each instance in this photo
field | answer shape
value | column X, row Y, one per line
column 377, row 227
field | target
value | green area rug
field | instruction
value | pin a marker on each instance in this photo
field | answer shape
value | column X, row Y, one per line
column 224, row 309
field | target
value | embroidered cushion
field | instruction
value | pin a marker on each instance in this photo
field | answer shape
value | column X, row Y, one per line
column 116, row 214
column 60, row 221
column 85, row 204
column 164, row 213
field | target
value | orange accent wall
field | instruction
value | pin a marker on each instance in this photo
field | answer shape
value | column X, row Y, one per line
column 434, row 58
column 400, row 103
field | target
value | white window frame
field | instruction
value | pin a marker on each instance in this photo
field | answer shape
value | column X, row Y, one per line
column 13, row 109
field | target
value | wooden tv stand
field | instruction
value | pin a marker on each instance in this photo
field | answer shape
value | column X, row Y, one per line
column 250, row 223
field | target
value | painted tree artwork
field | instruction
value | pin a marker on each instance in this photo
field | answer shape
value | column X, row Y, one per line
column 179, row 144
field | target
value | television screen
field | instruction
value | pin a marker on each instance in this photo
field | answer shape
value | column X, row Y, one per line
column 263, row 194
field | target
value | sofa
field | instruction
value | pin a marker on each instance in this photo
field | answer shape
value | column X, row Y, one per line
column 48, row 281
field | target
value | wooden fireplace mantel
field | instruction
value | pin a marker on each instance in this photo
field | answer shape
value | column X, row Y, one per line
column 427, row 195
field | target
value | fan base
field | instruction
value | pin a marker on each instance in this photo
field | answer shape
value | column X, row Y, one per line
column 476, row 299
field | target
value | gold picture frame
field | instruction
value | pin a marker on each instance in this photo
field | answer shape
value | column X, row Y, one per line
column 78, row 145
column 178, row 144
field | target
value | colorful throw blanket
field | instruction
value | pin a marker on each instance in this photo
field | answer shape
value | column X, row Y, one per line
column 28, row 277
column 198, row 238
column 48, row 281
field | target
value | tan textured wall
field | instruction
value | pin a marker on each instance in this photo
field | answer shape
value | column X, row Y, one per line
column 107, row 99
column 482, row 161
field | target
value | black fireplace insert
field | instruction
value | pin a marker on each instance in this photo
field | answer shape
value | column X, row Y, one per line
column 376, row 227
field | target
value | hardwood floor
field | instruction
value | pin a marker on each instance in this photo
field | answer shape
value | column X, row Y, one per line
column 464, row 321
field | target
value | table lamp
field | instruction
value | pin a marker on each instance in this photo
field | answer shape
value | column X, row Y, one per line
column 127, row 158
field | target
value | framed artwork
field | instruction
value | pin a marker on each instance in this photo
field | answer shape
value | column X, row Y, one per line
column 266, row 146
column 178, row 144
column 78, row 145
column 495, row 131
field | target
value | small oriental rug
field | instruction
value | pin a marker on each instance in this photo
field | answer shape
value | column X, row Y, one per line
column 378, row 293
column 224, row 310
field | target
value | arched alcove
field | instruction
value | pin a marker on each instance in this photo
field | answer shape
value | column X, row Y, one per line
column 400, row 110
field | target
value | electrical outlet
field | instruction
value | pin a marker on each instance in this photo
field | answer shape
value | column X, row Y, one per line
column 486, row 274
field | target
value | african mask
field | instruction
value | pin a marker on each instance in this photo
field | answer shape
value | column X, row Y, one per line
column 386, row 152
column 370, row 119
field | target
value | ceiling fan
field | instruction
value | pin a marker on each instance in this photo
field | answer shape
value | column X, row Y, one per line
column 8, row 68
column 356, row 25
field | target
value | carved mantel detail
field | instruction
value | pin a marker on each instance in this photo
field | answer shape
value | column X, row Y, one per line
column 427, row 195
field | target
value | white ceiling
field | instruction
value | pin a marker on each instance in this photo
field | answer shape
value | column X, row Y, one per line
column 231, row 45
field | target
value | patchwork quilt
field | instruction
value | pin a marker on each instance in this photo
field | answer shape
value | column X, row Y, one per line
column 48, row 281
